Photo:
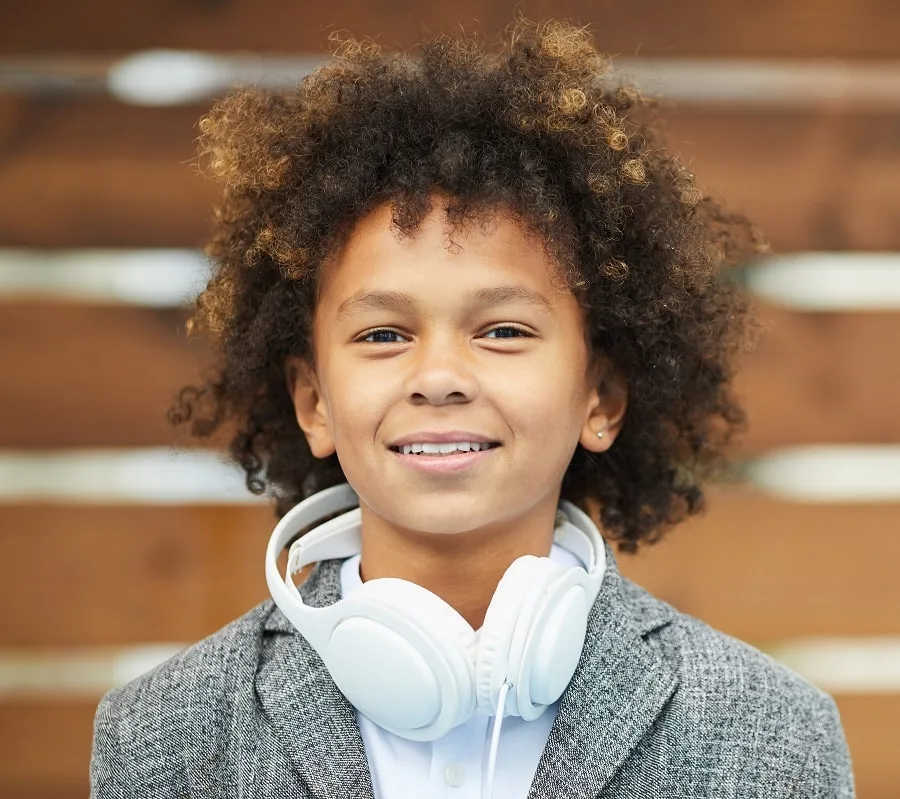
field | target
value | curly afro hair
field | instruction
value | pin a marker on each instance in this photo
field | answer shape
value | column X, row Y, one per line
column 537, row 129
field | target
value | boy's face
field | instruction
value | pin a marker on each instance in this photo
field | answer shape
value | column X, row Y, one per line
column 422, row 340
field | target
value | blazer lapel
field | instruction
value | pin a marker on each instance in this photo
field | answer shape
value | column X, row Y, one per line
column 618, row 690
column 312, row 720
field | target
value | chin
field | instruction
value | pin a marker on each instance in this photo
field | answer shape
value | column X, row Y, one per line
column 443, row 517
column 445, row 527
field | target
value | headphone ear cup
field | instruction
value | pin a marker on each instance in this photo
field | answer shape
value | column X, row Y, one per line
column 548, row 659
column 507, row 626
column 404, row 658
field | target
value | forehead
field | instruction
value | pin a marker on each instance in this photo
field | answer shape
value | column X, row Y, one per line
column 480, row 252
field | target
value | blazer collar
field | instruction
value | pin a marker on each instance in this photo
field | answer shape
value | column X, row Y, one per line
column 618, row 690
column 315, row 724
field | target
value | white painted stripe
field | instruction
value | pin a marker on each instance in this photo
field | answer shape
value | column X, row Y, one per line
column 844, row 665
column 165, row 278
column 820, row 474
column 823, row 281
column 138, row 476
column 830, row 473
column 77, row 672
column 798, row 83
column 837, row 665
column 168, row 77
column 159, row 278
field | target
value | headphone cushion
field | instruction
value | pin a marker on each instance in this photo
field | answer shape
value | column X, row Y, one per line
column 507, row 622
column 414, row 620
column 428, row 612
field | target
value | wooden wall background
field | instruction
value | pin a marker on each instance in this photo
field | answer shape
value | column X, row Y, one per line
column 87, row 171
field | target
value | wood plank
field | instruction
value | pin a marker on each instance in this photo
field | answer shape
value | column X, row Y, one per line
column 821, row 378
column 90, row 376
column 870, row 723
column 108, row 175
column 103, row 376
column 763, row 569
column 821, row 180
column 31, row 729
column 129, row 574
column 46, row 748
column 832, row 29
column 94, row 173
column 756, row 568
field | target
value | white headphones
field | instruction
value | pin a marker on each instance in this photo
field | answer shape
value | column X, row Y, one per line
column 406, row 659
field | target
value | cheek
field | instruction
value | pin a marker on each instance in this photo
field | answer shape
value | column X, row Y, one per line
column 547, row 400
column 356, row 399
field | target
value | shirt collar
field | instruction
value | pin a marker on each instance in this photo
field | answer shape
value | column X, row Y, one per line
column 350, row 578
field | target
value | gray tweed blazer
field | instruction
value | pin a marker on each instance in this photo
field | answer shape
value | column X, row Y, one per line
column 660, row 706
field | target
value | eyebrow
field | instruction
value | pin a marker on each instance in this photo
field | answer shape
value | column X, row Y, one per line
column 400, row 301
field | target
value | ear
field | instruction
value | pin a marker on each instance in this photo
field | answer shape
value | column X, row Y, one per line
column 309, row 406
column 605, row 411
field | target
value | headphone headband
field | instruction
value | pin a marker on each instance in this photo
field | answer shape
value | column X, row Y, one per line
column 407, row 659
column 339, row 537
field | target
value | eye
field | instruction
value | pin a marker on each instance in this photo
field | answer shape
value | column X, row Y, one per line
column 507, row 331
column 382, row 336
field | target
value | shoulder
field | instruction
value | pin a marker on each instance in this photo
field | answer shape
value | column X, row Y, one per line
column 189, row 676
column 146, row 726
column 713, row 663
column 732, row 697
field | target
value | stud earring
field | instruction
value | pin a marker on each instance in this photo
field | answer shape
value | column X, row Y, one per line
column 601, row 433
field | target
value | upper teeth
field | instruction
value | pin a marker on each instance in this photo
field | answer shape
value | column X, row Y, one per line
column 443, row 449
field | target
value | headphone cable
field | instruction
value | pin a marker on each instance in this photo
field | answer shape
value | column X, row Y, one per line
column 487, row 784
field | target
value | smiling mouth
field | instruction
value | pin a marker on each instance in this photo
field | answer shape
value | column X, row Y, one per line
column 443, row 450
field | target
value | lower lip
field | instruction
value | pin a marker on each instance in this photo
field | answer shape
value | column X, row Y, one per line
column 445, row 464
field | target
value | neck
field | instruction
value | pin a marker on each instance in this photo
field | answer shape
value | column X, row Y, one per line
column 462, row 568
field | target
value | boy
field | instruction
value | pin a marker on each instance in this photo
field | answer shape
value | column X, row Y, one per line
column 473, row 287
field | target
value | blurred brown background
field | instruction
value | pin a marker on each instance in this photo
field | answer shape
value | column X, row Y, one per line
column 790, row 110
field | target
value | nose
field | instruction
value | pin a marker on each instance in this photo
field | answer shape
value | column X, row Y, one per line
column 441, row 374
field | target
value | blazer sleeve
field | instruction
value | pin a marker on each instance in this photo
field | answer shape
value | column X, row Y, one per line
column 111, row 772
column 828, row 773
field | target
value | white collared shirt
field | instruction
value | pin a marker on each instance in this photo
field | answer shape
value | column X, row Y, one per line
column 451, row 767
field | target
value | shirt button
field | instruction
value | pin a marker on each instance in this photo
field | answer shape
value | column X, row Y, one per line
column 454, row 775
